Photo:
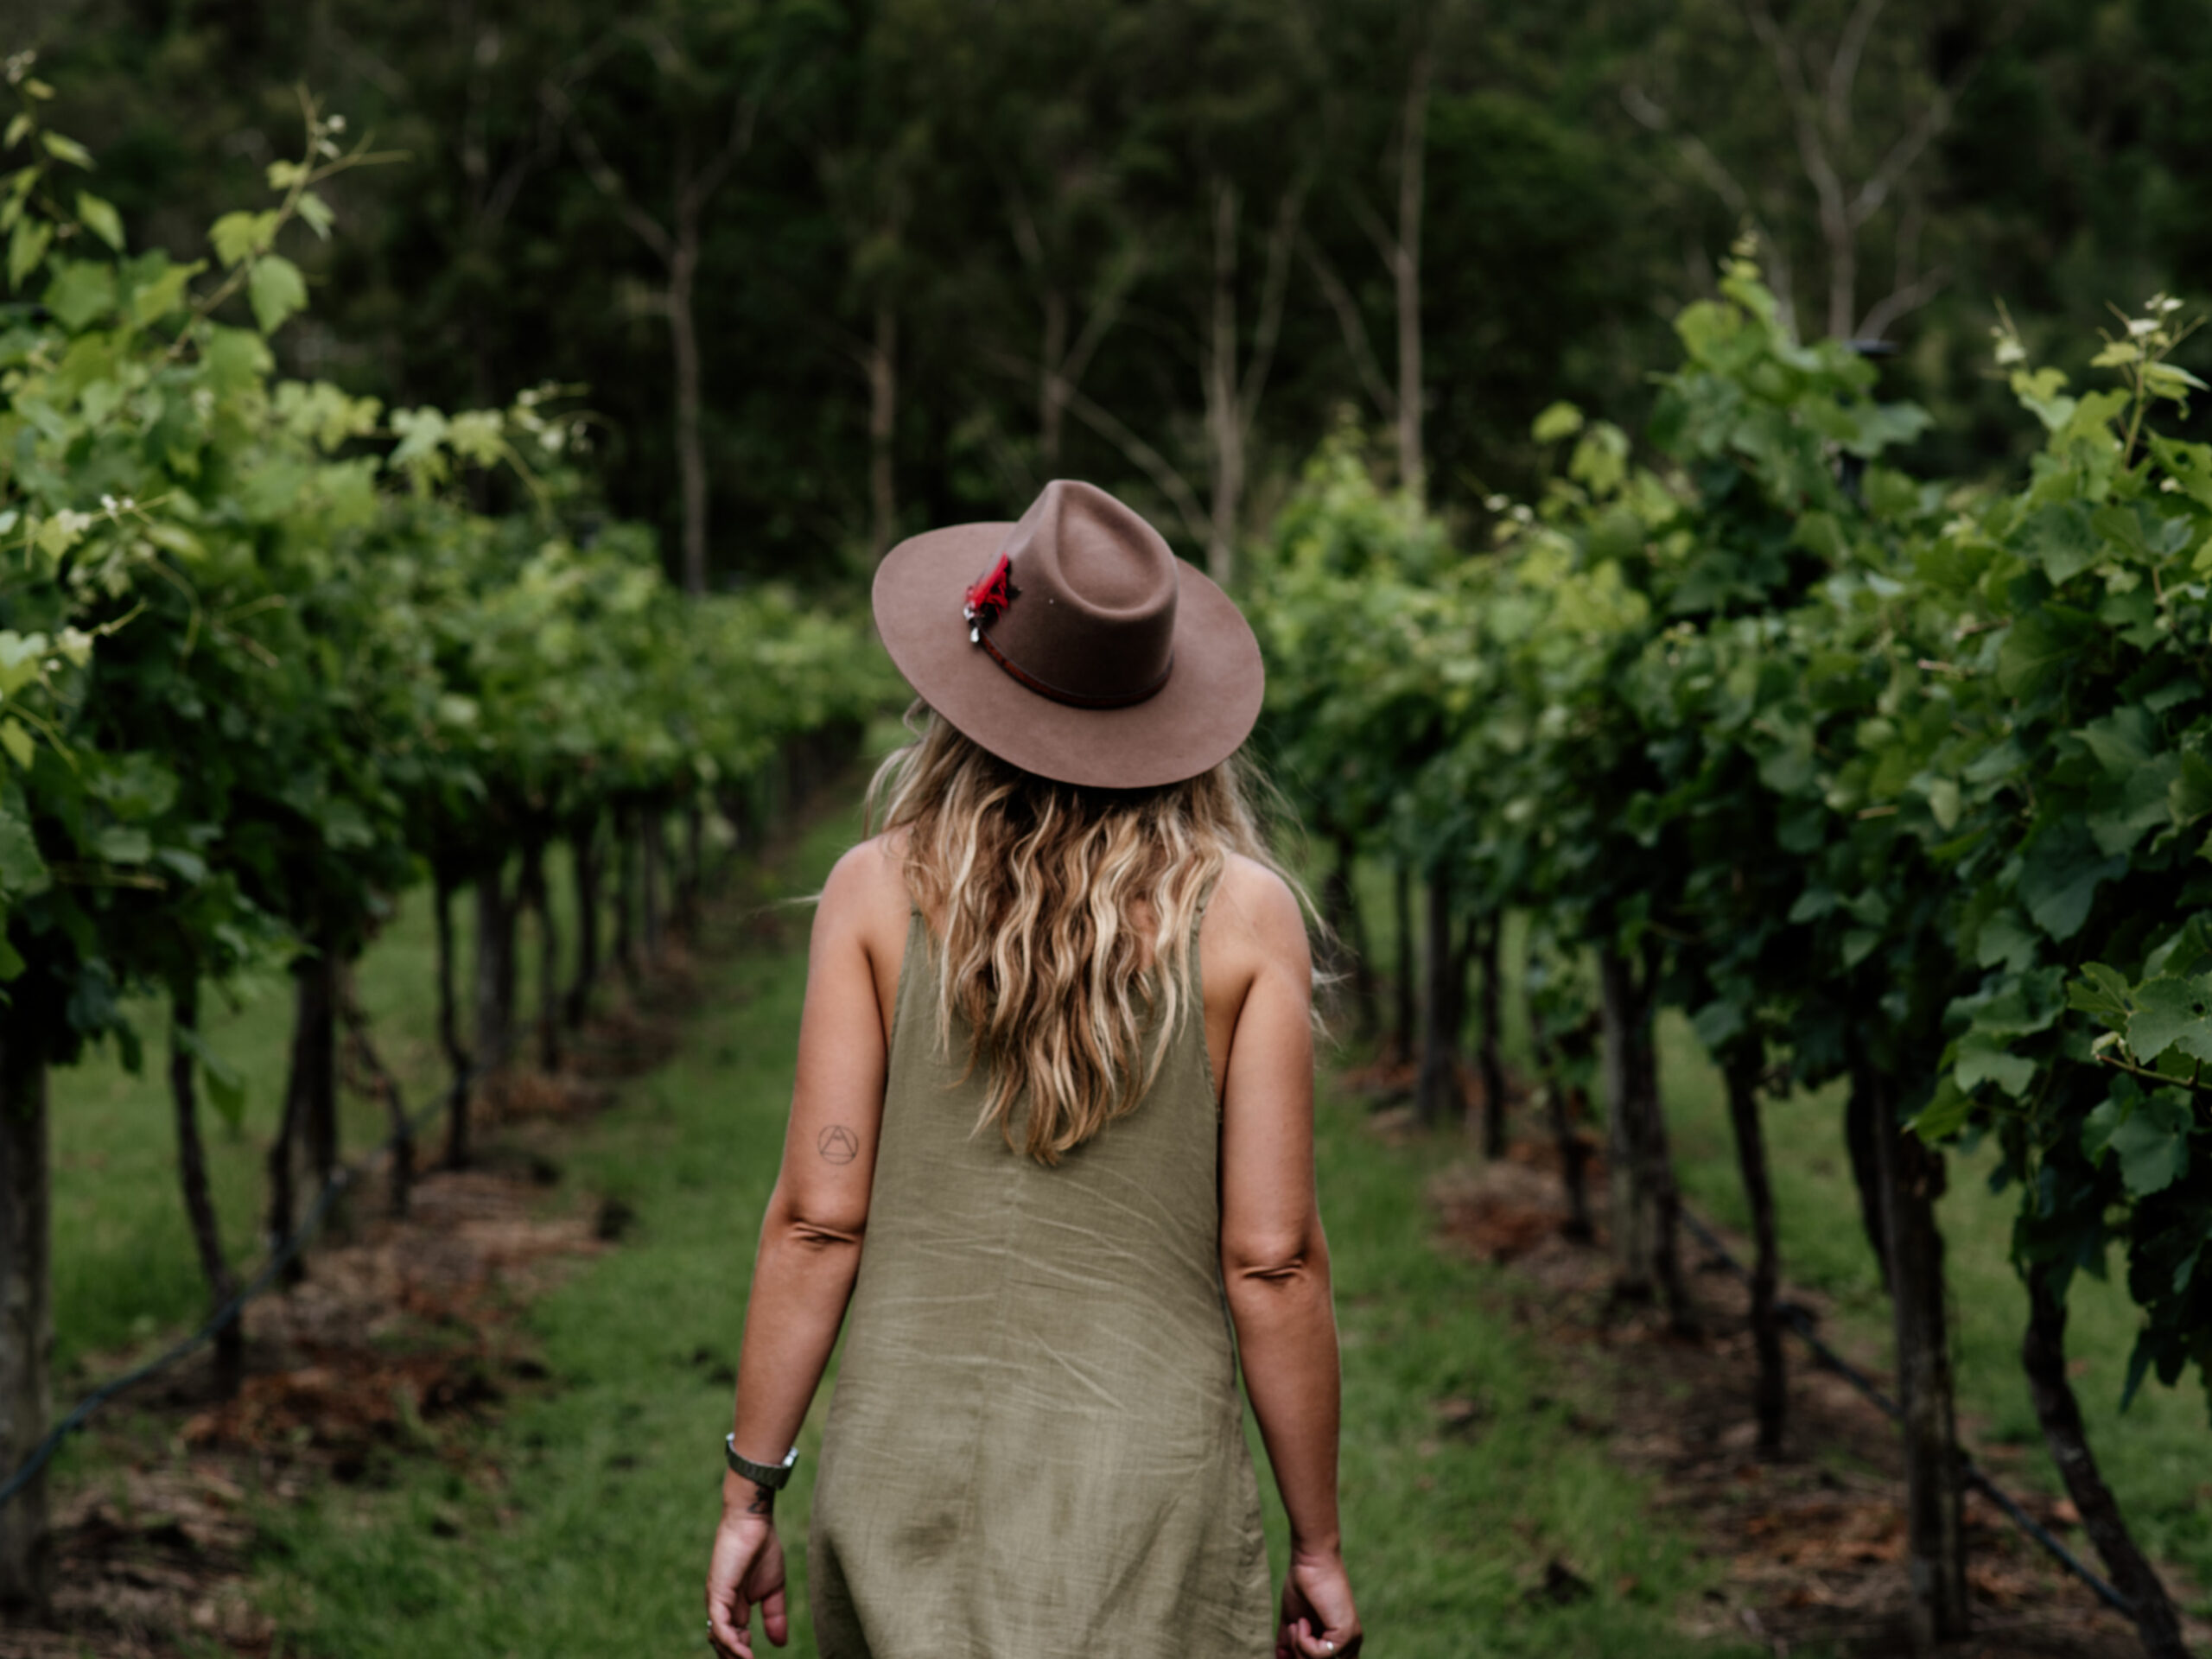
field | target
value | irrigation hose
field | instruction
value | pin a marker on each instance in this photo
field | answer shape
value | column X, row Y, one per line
column 281, row 1255
column 1800, row 1322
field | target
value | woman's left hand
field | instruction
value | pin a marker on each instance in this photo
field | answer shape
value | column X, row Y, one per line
column 745, row 1572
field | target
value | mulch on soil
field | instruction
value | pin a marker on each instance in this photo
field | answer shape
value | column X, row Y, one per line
column 402, row 1339
column 1813, row 1541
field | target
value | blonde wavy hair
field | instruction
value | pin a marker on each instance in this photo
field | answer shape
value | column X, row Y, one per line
column 1062, row 919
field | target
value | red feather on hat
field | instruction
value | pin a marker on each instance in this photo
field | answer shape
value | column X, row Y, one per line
column 988, row 598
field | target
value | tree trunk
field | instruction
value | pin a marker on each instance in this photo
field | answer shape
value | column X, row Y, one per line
column 495, row 971
column 882, row 428
column 1860, row 1110
column 691, row 452
column 318, row 1014
column 1224, row 431
column 1402, row 901
column 654, row 849
column 694, row 867
column 584, row 871
column 1771, row 1395
column 532, row 892
column 374, row 1078
column 1488, row 1018
column 307, row 1130
column 1437, row 1096
column 462, row 1062
column 1340, row 908
column 1405, row 274
column 25, row 1321
column 1646, row 1207
column 625, row 894
column 2042, row 1355
column 192, row 1174
column 1629, row 1214
column 1562, row 1100
column 457, row 1058
column 1912, row 1180
column 1051, row 388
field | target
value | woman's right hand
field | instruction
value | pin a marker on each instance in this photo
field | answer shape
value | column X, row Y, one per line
column 1318, row 1621
column 747, row 1571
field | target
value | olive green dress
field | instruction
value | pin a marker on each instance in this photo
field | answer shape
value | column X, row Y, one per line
column 1036, row 1447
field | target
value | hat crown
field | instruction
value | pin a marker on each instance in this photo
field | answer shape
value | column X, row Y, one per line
column 1093, row 588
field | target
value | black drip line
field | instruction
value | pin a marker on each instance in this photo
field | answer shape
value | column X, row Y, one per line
column 281, row 1255
column 1802, row 1322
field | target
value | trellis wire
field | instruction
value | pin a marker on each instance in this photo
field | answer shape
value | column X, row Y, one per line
column 281, row 1255
column 1802, row 1322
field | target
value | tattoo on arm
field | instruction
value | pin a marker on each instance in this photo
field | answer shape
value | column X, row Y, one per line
column 837, row 1144
column 764, row 1500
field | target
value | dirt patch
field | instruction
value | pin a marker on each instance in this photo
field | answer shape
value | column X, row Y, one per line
column 1813, row 1541
column 397, row 1344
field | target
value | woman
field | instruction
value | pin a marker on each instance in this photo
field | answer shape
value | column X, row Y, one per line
column 1056, row 1063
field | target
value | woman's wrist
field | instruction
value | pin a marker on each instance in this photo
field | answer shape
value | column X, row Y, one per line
column 746, row 1499
column 1317, row 1545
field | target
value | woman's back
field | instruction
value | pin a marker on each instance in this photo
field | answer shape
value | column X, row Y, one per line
column 1037, row 1435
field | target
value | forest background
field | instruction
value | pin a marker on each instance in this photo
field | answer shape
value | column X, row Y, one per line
column 832, row 273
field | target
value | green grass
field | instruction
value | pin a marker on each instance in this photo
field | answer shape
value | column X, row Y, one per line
column 124, row 1264
column 591, row 1537
column 591, row 1540
column 2157, row 1455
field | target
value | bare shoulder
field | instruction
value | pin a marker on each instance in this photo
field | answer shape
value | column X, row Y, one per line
column 867, row 888
column 1258, row 917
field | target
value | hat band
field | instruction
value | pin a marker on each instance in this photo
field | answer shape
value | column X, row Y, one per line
column 1073, row 699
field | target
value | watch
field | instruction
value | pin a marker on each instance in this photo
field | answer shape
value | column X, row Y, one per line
column 771, row 1474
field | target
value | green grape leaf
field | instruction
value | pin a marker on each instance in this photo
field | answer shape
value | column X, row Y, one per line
column 2123, row 740
column 2101, row 992
column 22, row 872
column 2189, row 796
column 237, row 237
column 1717, row 1021
column 277, row 290
column 2152, row 1142
column 81, row 291
column 122, row 844
column 2061, row 876
column 65, row 149
column 100, row 217
column 1559, row 421
column 1943, row 803
column 2171, row 1012
column 2036, row 648
column 226, row 1086
column 154, row 300
column 15, row 738
column 1982, row 1059
column 2060, row 539
column 2145, row 803
column 2006, row 939
column 27, row 245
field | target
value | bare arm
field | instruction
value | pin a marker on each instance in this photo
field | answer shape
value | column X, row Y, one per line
column 1274, row 1257
column 809, row 1239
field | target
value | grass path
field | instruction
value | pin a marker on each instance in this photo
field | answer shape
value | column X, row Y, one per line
column 589, row 1539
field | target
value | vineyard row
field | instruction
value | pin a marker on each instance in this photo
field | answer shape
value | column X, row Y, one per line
column 1900, row 781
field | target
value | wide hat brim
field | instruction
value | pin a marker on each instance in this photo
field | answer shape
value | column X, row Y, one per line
column 1192, row 724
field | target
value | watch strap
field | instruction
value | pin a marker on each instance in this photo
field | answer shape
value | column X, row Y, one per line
column 771, row 1474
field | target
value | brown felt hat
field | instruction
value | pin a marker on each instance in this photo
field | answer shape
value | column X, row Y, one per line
column 1072, row 643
